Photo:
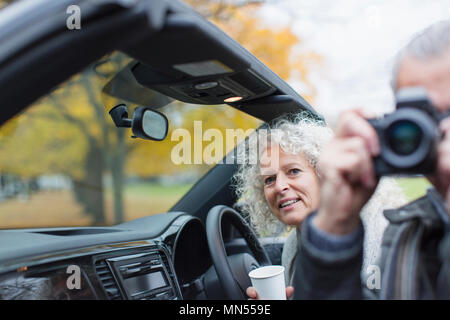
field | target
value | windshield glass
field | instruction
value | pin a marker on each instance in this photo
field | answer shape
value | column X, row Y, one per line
column 64, row 163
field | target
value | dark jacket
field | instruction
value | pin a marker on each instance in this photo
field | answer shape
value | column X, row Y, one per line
column 414, row 264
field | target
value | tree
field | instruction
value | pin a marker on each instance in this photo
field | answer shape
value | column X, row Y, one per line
column 106, row 147
column 73, row 134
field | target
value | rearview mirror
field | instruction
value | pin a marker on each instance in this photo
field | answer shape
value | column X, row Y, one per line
column 146, row 123
column 149, row 124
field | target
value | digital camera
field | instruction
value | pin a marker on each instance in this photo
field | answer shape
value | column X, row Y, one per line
column 409, row 136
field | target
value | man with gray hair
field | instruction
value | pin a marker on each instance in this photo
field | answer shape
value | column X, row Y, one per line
column 415, row 261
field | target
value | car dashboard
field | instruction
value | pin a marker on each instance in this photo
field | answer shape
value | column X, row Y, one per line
column 161, row 257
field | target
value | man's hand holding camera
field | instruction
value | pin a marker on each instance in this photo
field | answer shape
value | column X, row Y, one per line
column 347, row 174
column 441, row 180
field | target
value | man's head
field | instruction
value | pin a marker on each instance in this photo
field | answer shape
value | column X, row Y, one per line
column 425, row 62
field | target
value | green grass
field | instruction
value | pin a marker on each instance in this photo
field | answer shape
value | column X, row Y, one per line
column 414, row 187
column 152, row 190
column 60, row 208
column 156, row 190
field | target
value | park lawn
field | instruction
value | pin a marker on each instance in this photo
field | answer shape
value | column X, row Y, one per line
column 156, row 190
column 60, row 209
column 146, row 199
column 413, row 187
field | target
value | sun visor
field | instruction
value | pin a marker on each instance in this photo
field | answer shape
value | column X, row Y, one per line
column 125, row 87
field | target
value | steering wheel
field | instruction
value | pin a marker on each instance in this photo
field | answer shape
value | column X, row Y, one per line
column 233, row 271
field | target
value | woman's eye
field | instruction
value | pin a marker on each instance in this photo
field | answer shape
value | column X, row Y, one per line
column 295, row 171
column 269, row 180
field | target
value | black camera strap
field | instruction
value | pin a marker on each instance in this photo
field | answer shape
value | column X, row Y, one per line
column 439, row 205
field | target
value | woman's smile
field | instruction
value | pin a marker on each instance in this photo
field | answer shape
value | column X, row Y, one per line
column 288, row 204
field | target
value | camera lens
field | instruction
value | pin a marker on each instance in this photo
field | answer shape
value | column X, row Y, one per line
column 404, row 137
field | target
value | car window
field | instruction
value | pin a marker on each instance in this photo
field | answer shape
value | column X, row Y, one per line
column 64, row 163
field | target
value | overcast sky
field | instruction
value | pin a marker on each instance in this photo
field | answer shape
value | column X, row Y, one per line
column 358, row 40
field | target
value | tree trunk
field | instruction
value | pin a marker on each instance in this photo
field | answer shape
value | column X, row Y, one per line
column 89, row 190
column 118, row 176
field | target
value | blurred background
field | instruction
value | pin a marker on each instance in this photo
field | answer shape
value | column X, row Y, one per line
column 64, row 166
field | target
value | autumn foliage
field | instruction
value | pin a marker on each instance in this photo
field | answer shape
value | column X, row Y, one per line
column 70, row 133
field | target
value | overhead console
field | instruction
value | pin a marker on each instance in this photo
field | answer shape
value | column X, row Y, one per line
column 189, row 59
column 207, row 89
column 219, row 73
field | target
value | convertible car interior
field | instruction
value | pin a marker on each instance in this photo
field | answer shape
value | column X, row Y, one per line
column 202, row 248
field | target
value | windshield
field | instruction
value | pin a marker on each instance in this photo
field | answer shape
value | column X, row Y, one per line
column 64, row 163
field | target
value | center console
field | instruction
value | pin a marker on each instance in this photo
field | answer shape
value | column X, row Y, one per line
column 145, row 275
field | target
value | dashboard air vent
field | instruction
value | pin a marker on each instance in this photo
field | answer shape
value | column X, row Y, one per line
column 107, row 280
column 168, row 266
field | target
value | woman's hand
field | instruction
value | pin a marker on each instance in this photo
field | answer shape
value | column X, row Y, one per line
column 347, row 175
column 253, row 294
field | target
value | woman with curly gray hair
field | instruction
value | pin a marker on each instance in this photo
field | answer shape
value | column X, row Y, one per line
column 283, row 187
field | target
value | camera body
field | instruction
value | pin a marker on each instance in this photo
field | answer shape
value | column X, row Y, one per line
column 409, row 136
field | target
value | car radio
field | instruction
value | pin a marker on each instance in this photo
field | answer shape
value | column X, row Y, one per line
column 142, row 276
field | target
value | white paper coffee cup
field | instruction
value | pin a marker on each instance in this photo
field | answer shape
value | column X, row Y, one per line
column 269, row 282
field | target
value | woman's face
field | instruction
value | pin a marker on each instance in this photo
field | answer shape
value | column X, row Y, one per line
column 291, row 186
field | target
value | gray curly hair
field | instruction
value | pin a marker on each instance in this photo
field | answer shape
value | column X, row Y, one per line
column 304, row 135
